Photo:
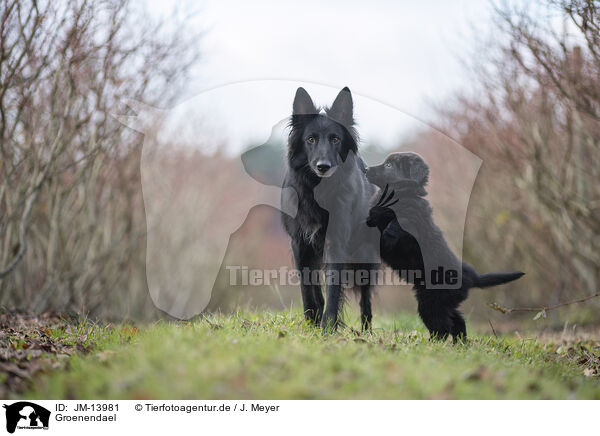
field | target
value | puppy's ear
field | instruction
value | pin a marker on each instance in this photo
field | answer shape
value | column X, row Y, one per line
column 303, row 104
column 419, row 171
column 342, row 109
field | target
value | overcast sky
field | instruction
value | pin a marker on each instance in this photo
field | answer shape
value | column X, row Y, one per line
column 405, row 54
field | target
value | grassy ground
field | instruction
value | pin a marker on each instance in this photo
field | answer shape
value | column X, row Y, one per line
column 278, row 356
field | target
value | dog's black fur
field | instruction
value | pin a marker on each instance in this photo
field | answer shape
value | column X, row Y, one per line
column 318, row 142
column 408, row 231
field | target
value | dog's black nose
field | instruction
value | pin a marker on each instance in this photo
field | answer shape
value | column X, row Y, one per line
column 323, row 167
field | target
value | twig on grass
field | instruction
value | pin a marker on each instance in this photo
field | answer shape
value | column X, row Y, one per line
column 493, row 329
column 541, row 311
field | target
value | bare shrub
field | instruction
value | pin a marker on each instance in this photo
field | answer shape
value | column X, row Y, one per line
column 535, row 121
column 71, row 216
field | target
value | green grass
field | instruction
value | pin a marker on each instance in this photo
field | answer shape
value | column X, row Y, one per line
column 279, row 356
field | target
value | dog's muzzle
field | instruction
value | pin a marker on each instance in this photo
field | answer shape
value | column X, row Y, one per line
column 370, row 174
column 324, row 169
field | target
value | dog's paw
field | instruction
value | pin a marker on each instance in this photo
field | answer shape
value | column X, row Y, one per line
column 329, row 323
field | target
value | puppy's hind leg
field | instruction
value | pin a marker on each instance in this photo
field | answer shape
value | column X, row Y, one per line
column 435, row 316
column 459, row 328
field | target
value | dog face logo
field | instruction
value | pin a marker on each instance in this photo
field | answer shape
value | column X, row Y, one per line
column 26, row 415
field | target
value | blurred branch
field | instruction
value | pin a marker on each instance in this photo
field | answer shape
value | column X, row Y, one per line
column 542, row 310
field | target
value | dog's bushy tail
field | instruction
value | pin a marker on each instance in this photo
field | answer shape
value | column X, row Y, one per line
column 493, row 279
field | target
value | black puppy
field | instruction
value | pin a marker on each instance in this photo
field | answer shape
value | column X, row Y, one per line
column 412, row 242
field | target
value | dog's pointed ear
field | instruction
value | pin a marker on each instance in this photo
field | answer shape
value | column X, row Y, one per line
column 419, row 171
column 303, row 104
column 342, row 109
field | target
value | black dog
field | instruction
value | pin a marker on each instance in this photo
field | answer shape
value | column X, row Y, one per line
column 411, row 241
column 322, row 148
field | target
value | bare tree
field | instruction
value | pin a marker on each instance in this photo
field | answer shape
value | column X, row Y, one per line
column 71, row 218
column 535, row 119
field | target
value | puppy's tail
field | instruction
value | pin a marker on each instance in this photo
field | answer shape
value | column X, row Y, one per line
column 493, row 279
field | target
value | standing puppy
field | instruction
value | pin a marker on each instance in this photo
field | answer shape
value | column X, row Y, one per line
column 323, row 152
column 411, row 241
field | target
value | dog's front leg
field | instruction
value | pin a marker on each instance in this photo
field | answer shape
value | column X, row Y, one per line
column 335, row 256
column 333, row 277
column 312, row 299
column 366, row 315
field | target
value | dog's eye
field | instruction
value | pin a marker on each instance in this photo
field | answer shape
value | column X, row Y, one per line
column 335, row 139
column 388, row 165
column 310, row 140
